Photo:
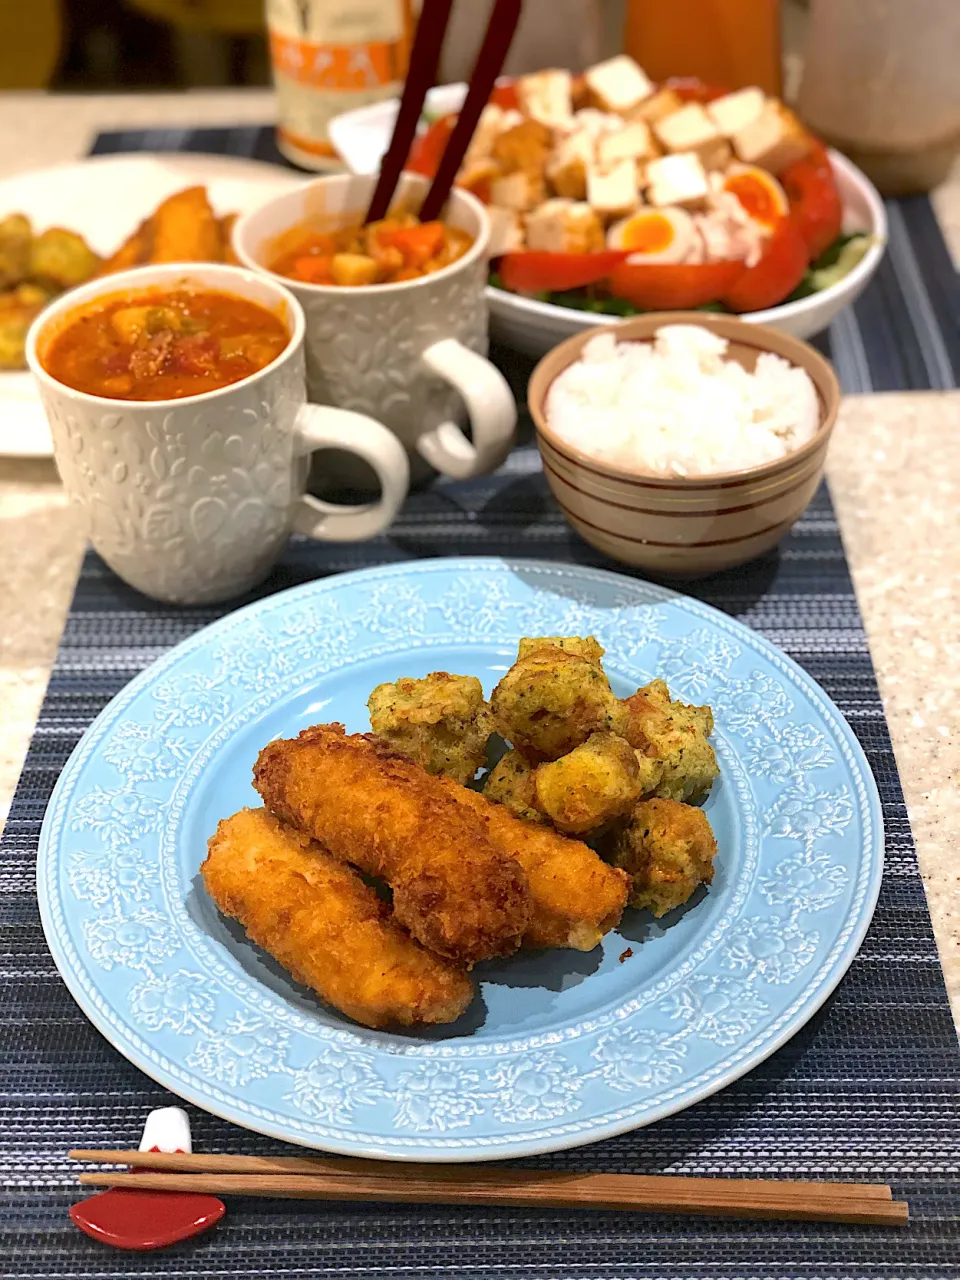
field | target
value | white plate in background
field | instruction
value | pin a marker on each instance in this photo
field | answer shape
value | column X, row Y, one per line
column 104, row 198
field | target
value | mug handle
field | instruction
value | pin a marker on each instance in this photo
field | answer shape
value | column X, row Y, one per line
column 325, row 427
column 490, row 404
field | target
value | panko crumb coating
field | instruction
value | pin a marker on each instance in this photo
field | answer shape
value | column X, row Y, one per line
column 674, row 734
column 441, row 721
column 550, row 701
column 667, row 848
column 591, row 785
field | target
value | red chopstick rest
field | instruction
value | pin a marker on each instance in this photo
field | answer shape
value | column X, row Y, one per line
column 143, row 1220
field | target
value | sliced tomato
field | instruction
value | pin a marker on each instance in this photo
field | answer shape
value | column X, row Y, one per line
column 505, row 95
column 672, row 286
column 779, row 271
column 533, row 271
column 693, row 89
column 815, row 207
column 428, row 147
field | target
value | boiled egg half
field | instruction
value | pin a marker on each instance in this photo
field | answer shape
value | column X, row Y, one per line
column 655, row 235
column 758, row 191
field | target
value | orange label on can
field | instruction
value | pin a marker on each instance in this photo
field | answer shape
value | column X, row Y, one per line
column 343, row 67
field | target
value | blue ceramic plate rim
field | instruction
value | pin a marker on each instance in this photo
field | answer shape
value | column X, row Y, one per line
column 503, row 1142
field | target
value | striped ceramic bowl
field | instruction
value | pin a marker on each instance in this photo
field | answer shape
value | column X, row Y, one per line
column 675, row 527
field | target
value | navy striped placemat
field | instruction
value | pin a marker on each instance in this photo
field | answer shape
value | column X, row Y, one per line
column 870, row 1088
column 902, row 334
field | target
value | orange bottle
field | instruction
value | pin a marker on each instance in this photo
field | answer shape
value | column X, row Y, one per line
column 728, row 43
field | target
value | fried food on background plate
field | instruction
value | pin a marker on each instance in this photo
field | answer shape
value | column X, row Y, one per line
column 576, row 897
column 676, row 735
column 512, row 782
column 453, row 888
column 16, row 236
column 325, row 926
column 61, row 259
column 185, row 229
column 550, row 701
column 590, row 786
column 134, row 251
column 18, row 307
column 442, row 721
column 667, row 848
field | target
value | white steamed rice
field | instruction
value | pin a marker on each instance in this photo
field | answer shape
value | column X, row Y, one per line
column 676, row 407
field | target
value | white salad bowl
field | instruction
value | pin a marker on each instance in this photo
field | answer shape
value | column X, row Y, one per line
column 535, row 327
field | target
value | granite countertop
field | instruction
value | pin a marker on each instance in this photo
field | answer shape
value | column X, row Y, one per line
column 894, row 469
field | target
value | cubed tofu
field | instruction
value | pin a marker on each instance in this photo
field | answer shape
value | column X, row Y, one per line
column 506, row 231
column 476, row 176
column 518, row 191
column 546, row 96
column 596, row 123
column 353, row 269
column 564, row 226
column 633, row 142
column 716, row 155
column 489, row 128
column 618, row 84
column 525, row 147
column 662, row 103
column 689, row 129
column 613, row 191
column 774, row 140
column 734, row 111
column 677, row 179
column 567, row 168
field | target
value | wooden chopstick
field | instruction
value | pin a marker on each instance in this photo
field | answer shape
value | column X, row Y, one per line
column 424, row 60
column 295, row 1177
column 490, row 59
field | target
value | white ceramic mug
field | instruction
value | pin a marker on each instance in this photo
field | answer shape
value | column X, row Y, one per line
column 411, row 354
column 192, row 500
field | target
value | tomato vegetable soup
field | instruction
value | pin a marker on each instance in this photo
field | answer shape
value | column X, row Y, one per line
column 164, row 344
column 386, row 252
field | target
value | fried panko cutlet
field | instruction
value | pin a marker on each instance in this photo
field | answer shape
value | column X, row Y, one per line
column 185, row 229
column 442, row 721
column 674, row 734
column 667, row 848
column 576, row 897
column 550, row 701
column 318, row 919
column 453, row 888
column 511, row 782
column 591, row 785
column 18, row 308
column 61, row 259
column 16, row 237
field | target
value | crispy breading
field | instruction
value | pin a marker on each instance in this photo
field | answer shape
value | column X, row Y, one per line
column 226, row 225
column 591, row 785
column 185, row 229
column 550, row 701
column 316, row 916
column 576, row 896
column 16, row 237
column 61, row 258
column 511, row 782
column 453, row 888
column 676, row 735
column 524, row 149
column 441, row 721
column 667, row 848
column 588, row 647
column 134, row 251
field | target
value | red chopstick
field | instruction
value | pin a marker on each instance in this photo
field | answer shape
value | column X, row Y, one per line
column 490, row 60
column 424, row 60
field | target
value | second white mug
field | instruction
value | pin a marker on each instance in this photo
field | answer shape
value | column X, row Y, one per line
column 411, row 355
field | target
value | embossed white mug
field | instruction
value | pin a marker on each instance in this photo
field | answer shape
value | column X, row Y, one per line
column 411, row 354
column 192, row 500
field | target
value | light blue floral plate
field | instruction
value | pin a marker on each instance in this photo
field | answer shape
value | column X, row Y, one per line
column 559, row 1048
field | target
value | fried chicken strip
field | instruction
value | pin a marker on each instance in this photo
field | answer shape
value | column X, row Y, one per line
column 185, row 229
column 453, row 888
column 322, row 923
column 577, row 897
